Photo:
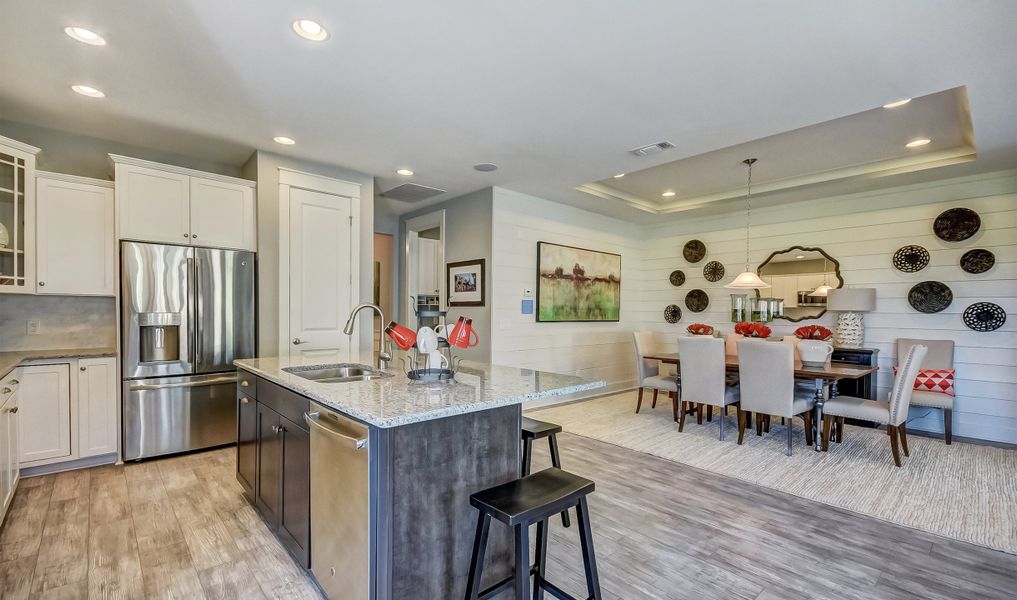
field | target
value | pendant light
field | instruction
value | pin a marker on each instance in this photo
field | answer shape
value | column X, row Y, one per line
column 748, row 279
column 822, row 290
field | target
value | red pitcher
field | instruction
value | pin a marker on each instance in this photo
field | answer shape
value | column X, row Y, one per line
column 404, row 337
column 463, row 335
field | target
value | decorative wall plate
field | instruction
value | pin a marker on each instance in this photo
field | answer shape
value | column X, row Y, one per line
column 930, row 296
column 956, row 224
column 673, row 313
column 984, row 316
column 713, row 271
column 911, row 259
column 977, row 261
column 694, row 251
column 677, row 278
column 697, row 300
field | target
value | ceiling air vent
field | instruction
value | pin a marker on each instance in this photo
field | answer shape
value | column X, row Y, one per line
column 652, row 149
column 411, row 192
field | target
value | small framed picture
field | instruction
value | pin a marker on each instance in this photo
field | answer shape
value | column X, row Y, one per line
column 465, row 282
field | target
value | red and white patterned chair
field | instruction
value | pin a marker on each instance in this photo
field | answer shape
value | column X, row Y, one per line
column 940, row 357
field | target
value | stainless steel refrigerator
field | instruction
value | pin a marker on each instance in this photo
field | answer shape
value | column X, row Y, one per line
column 186, row 314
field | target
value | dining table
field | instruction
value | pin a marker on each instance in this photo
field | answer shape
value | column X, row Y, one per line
column 830, row 373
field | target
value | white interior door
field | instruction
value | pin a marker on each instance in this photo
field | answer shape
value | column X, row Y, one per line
column 320, row 276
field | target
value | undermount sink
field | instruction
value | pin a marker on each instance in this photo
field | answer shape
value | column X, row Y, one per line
column 341, row 373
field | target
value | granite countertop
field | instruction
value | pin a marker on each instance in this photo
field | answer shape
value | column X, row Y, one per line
column 394, row 401
column 10, row 360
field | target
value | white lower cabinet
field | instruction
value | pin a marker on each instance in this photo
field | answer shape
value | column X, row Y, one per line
column 46, row 413
column 97, row 406
column 65, row 418
column 9, row 467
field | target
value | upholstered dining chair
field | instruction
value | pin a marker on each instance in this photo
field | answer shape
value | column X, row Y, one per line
column 767, row 374
column 893, row 414
column 648, row 374
column 940, row 356
column 704, row 377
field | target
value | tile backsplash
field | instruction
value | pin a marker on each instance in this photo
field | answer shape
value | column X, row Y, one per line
column 64, row 322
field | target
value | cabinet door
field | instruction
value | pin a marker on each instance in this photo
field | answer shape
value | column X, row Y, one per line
column 75, row 241
column 97, row 406
column 295, row 517
column 269, row 496
column 222, row 214
column 154, row 206
column 247, row 443
column 17, row 220
column 45, row 413
column 7, row 457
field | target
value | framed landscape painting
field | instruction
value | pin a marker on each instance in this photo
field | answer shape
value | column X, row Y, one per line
column 576, row 284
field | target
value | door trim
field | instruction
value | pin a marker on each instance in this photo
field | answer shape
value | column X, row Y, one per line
column 421, row 223
column 289, row 178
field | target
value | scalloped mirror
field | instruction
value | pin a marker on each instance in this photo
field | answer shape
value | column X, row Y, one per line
column 799, row 276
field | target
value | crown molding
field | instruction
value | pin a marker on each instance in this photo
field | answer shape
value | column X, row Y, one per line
column 117, row 159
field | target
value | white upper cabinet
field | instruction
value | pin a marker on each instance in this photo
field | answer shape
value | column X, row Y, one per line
column 75, row 241
column 17, row 216
column 168, row 204
column 154, row 205
column 222, row 214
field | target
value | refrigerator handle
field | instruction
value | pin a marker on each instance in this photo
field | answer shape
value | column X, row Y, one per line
column 193, row 309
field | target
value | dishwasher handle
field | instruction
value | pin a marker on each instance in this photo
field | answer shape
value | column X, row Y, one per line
column 313, row 420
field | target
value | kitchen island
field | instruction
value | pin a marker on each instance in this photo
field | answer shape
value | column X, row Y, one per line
column 368, row 482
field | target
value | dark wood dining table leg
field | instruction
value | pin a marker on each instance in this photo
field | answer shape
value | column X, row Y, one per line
column 827, row 421
column 699, row 414
column 709, row 413
column 674, row 405
column 741, row 425
column 818, row 418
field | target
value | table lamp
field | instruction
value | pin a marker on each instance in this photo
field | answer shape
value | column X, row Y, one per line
column 851, row 303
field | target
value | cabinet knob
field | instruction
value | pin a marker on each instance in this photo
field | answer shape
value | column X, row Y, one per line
column 244, row 400
column 297, row 341
column 42, row 284
column 194, row 236
column 186, row 235
column 14, row 410
column 6, row 390
column 15, row 382
column 244, row 384
column 83, row 368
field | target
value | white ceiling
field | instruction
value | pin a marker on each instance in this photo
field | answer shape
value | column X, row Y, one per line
column 555, row 93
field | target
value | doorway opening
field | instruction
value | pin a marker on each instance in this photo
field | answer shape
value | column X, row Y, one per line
column 424, row 264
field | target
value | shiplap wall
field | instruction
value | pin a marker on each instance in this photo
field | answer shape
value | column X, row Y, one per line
column 592, row 350
column 862, row 232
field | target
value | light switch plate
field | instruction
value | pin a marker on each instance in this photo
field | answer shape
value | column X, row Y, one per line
column 33, row 326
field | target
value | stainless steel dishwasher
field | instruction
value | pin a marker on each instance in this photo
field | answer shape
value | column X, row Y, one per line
column 340, row 509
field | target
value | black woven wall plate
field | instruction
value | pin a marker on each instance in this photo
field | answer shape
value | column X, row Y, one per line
column 673, row 313
column 676, row 278
column 956, row 224
column 713, row 271
column 984, row 316
column 930, row 296
column 977, row 261
column 697, row 300
column 910, row 259
column 694, row 251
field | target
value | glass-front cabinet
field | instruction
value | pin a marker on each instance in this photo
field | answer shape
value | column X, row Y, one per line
column 17, row 216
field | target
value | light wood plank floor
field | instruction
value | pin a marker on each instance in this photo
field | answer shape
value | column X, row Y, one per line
column 180, row 528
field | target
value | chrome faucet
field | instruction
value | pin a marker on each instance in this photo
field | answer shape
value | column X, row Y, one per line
column 383, row 354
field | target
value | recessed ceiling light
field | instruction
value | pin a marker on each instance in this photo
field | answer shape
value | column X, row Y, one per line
column 800, row 256
column 619, row 175
column 86, row 36
column 918, row 142
column 404, row 172
column 485, row 167
column 310, row 30
column 285, row 141
column 901, row 102
column 668, row 194
column 87, row 90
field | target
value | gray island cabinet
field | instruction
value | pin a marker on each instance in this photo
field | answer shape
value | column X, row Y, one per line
column 367, row 483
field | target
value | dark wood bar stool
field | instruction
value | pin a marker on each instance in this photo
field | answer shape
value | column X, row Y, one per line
column 533, row 429
column 519, row 504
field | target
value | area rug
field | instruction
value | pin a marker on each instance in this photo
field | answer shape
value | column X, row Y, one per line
column 967, row 492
